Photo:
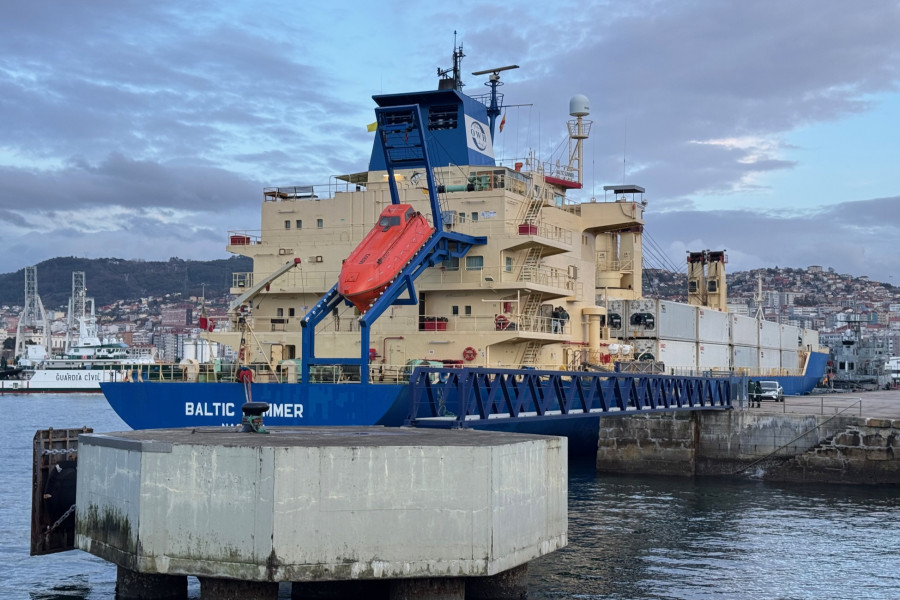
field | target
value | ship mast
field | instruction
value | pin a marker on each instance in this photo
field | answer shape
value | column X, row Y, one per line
column 579, row 130
column 494, row 82
column 451, row 79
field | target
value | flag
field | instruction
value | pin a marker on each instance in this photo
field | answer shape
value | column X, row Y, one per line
column 502, row 123
column 372, row 126
column 205, row 323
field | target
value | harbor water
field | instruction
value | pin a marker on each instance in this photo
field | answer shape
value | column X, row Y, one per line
column 629, row 537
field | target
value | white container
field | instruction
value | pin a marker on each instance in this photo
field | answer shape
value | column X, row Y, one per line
column 677, row 354
column 616, row 316
column 769, row 335
column 645, row 349
column 790, row 337
column 677, row 321
column 810, row 339
column 712, row 326
column 661, row 319
column 790, row 359
column 713, row 356
column 769, row 358
column 744, row 357
column 641, row 318
column 744, row 331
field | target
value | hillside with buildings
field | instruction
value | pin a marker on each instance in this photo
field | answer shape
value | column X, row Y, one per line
column 857, row 318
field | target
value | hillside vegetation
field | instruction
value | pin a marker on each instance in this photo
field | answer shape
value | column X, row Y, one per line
column 111, row 279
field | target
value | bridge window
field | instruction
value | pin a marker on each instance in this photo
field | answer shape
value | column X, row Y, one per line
column 443, row 117
column 468, row 310
column 299, row 223
column 287, row 224
column 454, row 310
column 509, row 264
column 451, row 264
column 320, row 223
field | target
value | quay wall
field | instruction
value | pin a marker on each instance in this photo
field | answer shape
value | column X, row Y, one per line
column 771, row 446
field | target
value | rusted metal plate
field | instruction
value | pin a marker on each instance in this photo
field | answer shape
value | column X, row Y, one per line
column 54, row 469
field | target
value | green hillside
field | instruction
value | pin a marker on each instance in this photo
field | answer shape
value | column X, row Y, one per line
column 111, row 279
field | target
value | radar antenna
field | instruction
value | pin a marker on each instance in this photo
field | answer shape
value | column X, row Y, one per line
column 493, row 81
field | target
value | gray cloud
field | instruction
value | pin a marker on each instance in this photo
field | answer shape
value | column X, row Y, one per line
column 120, row 181
column 151, row 111
column 856, row 237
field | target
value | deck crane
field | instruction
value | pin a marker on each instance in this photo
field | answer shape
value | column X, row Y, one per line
column 237, row 312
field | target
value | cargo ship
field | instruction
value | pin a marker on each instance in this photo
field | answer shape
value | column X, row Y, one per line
column 520, row 269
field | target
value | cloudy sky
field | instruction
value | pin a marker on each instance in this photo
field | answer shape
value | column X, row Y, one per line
column 148, row 129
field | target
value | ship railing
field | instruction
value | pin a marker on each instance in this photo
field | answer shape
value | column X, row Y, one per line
column 605, row 264
column 487, row 277
column 171, row 372
column 480, row 180
column 541, row 229
column 510, row 323
column 315, row 192
column 736, row 372
column 468, row 395
column 551, row 276
column 484, row 223
column 244, row 237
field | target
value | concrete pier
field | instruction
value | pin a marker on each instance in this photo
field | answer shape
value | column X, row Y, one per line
column 394, row 511
column 772, row 445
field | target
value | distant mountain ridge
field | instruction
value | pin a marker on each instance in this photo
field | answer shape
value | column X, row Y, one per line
column 110, row 279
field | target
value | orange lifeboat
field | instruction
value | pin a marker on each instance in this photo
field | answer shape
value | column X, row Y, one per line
column 390, row 245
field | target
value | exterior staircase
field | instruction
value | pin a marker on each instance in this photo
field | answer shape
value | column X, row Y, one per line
column 531, row 353
column 530, row 264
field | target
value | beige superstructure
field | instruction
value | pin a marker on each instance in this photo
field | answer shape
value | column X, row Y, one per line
column 543, row 252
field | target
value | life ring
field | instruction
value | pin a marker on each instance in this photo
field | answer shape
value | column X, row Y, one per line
column 469, row 354
column 501, row 322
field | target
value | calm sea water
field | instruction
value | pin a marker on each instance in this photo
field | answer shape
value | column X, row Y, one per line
column 629, row 537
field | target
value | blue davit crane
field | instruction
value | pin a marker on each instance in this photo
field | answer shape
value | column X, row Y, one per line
column 403, row 141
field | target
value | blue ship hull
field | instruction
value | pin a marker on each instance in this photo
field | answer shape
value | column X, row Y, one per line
column 799, row 385
column 156, row 405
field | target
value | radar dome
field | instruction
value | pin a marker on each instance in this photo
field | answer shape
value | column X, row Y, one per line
column 579, row 106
